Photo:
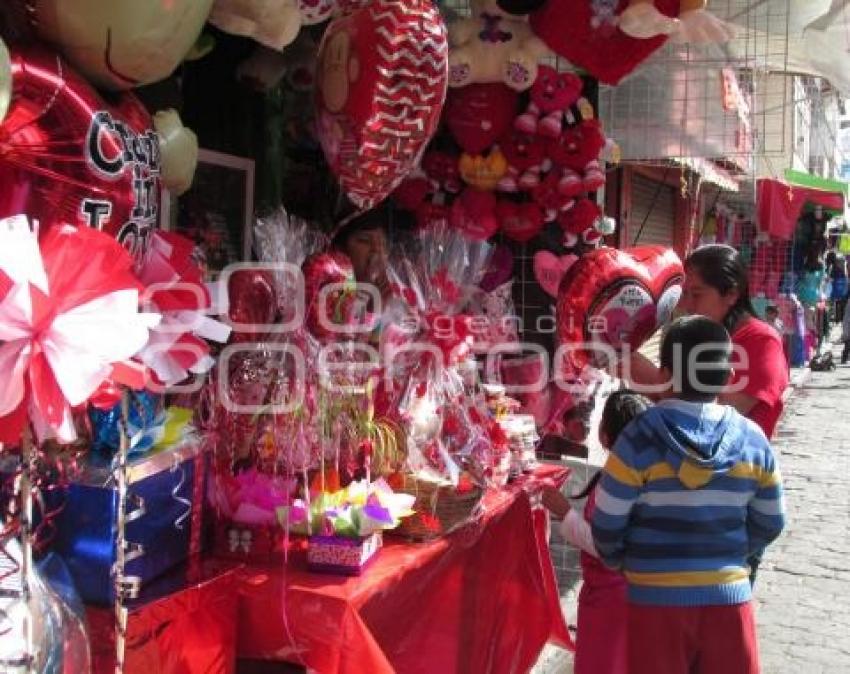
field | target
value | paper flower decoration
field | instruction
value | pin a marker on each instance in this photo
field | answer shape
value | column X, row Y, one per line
column 68, row 318
column 358, row 510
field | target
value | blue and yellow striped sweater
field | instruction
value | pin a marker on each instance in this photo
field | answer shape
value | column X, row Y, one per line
column 688, row 492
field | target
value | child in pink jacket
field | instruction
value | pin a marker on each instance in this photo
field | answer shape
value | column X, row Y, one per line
column 601, row 646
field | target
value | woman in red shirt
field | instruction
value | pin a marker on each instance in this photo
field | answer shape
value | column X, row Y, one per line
column 717, row 286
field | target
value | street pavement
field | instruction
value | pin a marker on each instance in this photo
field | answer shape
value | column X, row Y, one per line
column 803, row 587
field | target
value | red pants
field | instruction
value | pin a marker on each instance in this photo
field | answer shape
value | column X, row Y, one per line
column 692, row 640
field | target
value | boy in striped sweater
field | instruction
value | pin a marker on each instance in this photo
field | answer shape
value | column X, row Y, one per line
column 690, row 489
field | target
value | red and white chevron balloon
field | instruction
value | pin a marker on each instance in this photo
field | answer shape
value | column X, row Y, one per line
column 381, row 79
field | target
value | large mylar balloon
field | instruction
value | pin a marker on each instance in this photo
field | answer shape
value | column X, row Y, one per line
column 381, row 84
column 67, row 156
column 617, row 298
column 120, row 44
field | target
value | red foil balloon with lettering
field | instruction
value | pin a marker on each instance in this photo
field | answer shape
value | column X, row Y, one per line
column 66, row 156
column 616, row 298
column 381, row 84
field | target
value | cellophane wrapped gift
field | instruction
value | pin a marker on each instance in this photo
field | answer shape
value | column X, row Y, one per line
column 453, row 445
column 165, row 498
column 183, row 623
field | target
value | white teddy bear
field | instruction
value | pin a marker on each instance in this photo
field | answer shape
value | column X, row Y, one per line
column 493, row 46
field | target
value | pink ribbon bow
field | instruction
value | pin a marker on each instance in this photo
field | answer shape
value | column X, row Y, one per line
column 175, row 289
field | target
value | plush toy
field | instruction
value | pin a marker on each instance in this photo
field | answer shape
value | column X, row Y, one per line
column 603, row 37
column 519, row 222
column 443, row 171
column 525, row 154
column 552, row 94
column 578, row 222
column 479, row 114
column 551, row 198
column 493, row 46
column 474, row 214
column 483, row 172
column 178, row 147
column 273, row 23
column 296, row 66
column 121, row 44
column 576, row 152
column 694, row 24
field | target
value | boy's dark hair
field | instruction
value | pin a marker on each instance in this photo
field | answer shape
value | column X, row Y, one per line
column 383, row 216
column 620, row 409
column 696, row 351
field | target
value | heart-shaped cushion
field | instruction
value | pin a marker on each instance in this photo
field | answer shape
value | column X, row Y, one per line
column 616, row 298
column 479, row 114
column 519, row 222
column 474, row 214
column 549, row 270
column 586, row 34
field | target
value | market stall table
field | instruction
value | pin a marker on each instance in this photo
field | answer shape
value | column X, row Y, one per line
column 483, row 599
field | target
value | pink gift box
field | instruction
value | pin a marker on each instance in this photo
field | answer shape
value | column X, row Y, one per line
column 342, row 555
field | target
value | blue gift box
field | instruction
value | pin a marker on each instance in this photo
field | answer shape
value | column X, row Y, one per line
column 161, row 497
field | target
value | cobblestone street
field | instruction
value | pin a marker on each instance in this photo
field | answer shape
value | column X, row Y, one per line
column 803, row 589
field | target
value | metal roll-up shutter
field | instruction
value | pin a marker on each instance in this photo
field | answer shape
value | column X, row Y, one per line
column 654, row 208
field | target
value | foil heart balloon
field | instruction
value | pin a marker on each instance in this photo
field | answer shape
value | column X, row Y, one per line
column 587, row 35
column 616, row 298
column 381, row 83
column 252, row 304
column 478, row 115
column 68, row 157
column 327, row 311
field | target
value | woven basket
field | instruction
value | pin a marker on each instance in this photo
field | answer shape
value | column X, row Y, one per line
column 440, row 509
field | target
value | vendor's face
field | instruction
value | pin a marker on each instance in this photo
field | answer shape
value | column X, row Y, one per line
column 699, row 298
column 367, row 250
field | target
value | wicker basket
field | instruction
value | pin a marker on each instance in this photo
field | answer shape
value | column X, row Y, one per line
column 440, row 509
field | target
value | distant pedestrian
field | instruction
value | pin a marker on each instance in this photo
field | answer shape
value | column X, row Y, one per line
column 771, row 317
column 602, row 620
column 690, row 489
column 845, row 337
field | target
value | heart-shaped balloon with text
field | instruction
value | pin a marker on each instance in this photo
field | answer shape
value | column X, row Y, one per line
column 614, row 299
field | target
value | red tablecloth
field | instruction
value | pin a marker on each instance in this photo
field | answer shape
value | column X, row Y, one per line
column 484, row 599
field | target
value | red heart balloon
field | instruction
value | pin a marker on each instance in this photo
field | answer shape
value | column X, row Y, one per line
column 320, row 270
column 520, row 222
column 68, row 157
column 616, row 298
column 381, row 82
column 252, row 304
column 586, row 34
column 479, row 114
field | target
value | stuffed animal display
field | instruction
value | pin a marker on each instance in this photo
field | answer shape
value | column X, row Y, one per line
column 519, row 169
column 493, row 46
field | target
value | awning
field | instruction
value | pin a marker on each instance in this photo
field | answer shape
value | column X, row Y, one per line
column 804, row 179
column 779, row 205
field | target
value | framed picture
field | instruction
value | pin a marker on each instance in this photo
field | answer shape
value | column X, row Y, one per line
column 218, row 211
